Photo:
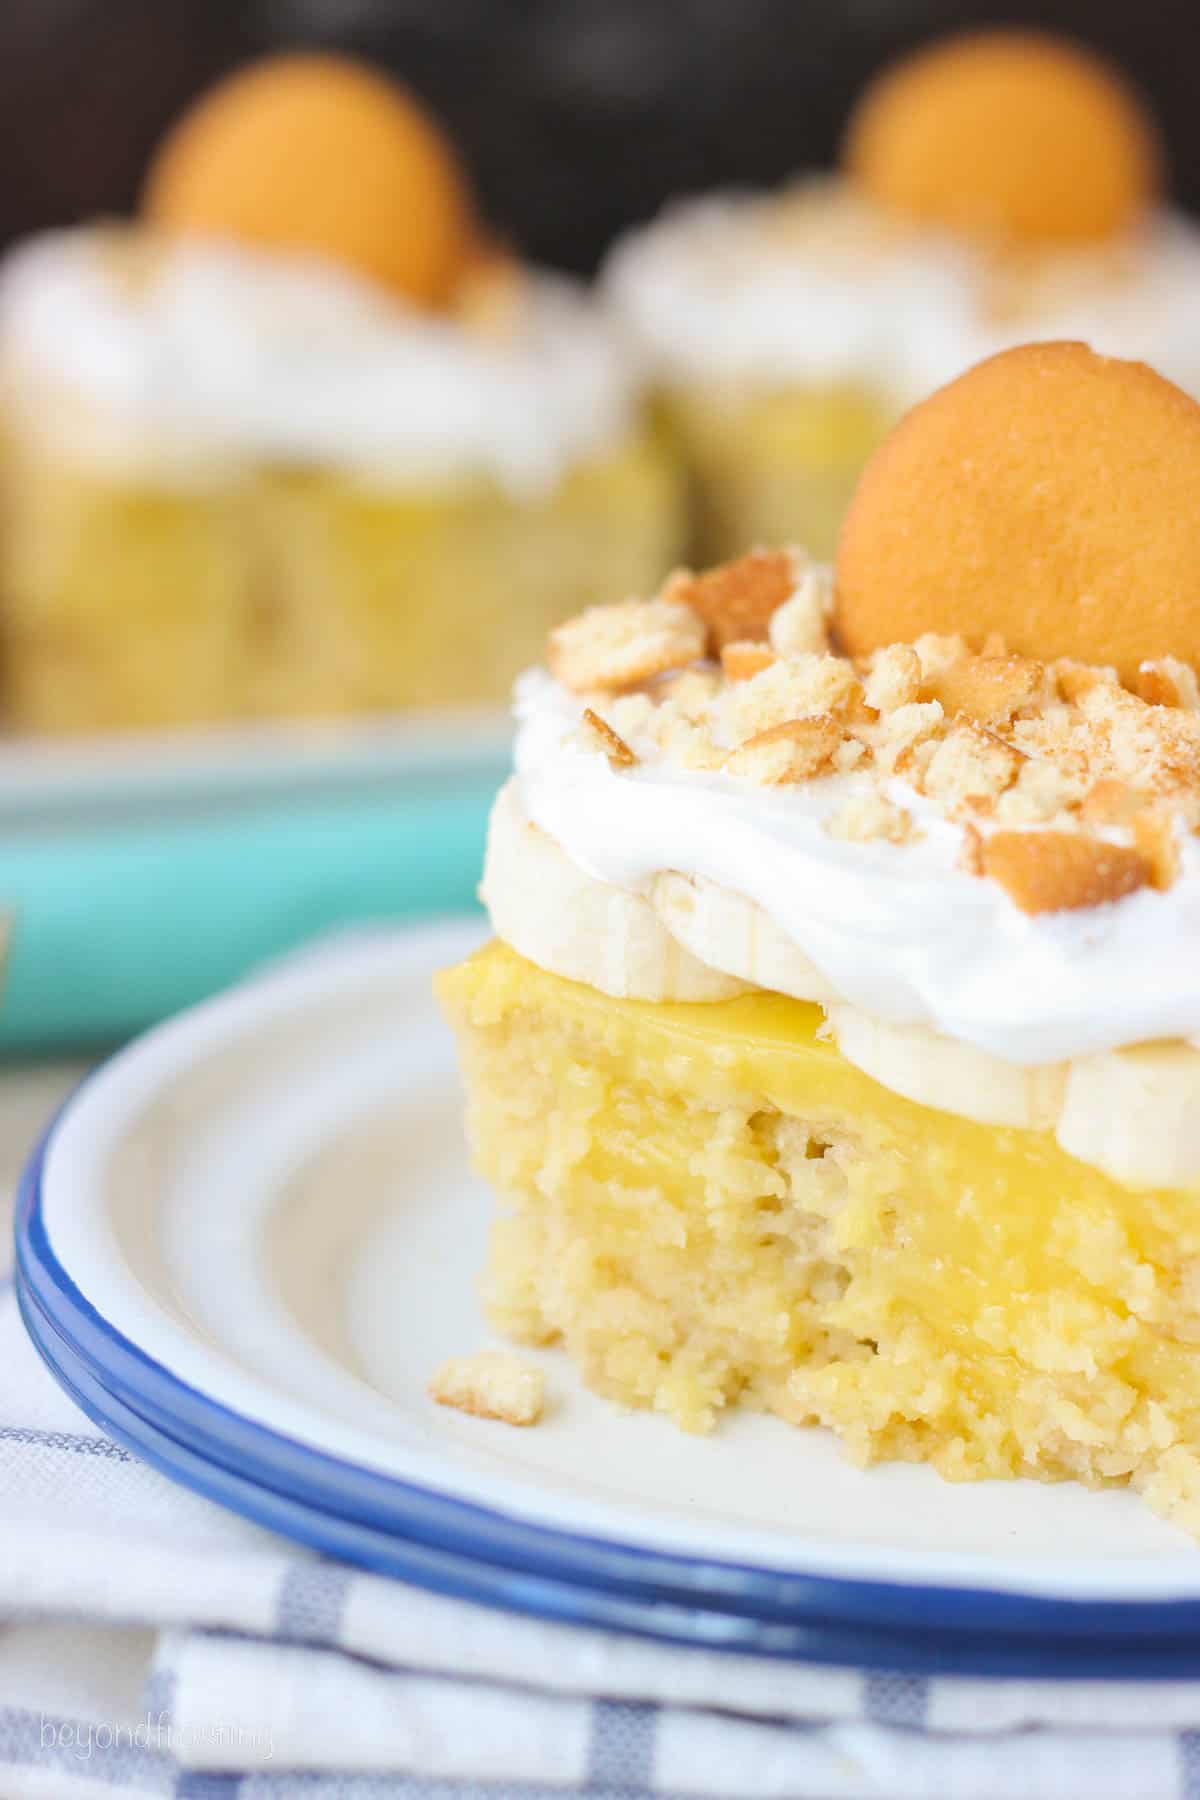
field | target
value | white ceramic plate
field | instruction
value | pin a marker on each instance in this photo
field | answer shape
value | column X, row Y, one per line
column 253, row 1235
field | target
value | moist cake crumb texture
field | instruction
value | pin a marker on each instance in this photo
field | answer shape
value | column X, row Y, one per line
column 708, row 1205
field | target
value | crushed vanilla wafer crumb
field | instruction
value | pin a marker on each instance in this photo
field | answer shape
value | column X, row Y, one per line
column 616, row 647
column 737, row 600
column 970, row 764
column 1070, row 789
column 893, row 678
column 917, row 722
column 1060, row 871
column 741, row 661
column 1111, row 802
column 935, row 653
column 986, row 689
column 1040, row 793
column 491, row 1384
column 793, row 751
column 802, row 622
column 1075, row 679
column 1153, row 836
column 619, row 754
column 796, row 688
column 690, row 694
column 868, row 817
column 1168, row 682
column 970, row 856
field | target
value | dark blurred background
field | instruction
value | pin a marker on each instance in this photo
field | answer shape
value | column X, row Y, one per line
column 577, row 116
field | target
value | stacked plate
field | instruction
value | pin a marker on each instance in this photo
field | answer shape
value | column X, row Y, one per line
column 247, row 1241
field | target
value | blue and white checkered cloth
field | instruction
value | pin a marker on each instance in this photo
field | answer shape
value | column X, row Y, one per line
column 153, row 1644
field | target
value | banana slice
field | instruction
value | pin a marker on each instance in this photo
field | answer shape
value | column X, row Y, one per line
column 1133, row 1113
column 566, row 921
column 1136, row 1114
column 729, row 932
column 937, row 1071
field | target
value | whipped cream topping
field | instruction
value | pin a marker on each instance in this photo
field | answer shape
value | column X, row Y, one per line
column 898, row 930
column 211, row 352
column 814, row 284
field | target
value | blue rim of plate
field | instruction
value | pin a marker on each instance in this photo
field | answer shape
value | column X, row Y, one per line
column 474, row 1552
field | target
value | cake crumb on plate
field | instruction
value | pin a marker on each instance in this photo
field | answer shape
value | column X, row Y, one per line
column 491, row 1384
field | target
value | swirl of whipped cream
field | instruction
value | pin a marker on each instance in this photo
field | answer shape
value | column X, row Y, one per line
column 212, row 353
column 814, row 285
column 900, row 931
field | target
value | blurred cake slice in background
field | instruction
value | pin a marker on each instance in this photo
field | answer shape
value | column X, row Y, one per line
column 303, row 440
column 994, row 188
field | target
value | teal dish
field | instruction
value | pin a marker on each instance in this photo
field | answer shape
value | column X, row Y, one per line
column 141, row 875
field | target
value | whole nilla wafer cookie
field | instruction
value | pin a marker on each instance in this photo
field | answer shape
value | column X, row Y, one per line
column 318, row 154
column 1016, row 137
column 1050, row 495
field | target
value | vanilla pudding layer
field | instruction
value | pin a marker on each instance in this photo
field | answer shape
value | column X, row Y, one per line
column 813, row 287
column 178, row 363
column 668, row 884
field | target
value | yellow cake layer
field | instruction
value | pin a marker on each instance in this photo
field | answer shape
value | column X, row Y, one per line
column 707, row 1203
column 772, row 467
column 303, row 592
